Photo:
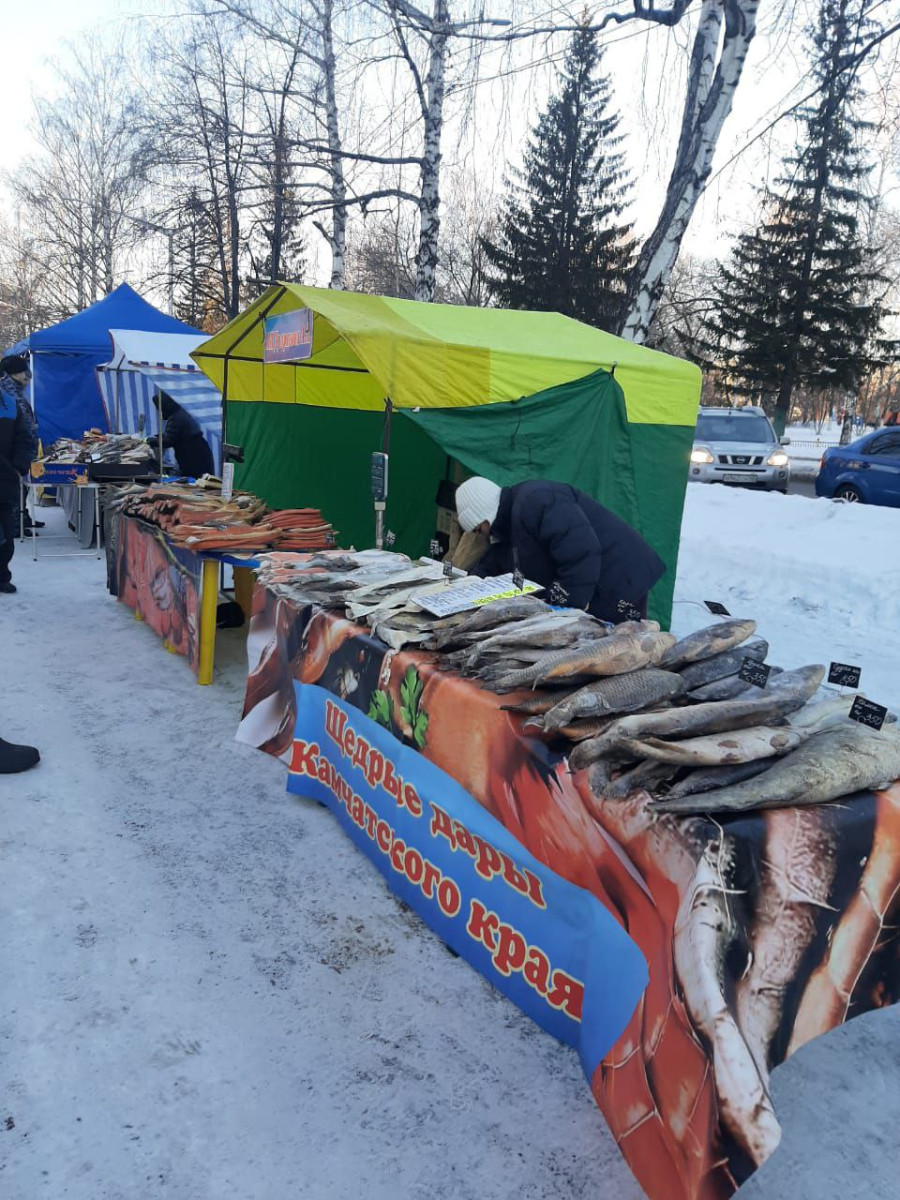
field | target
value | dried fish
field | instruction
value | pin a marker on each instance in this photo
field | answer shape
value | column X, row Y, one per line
column 793, row 690
column 718, row 749
column 645, row 777
column 831, row 764
column 714, row 639
column 616, row 694
column 704, row 779
column 708, row 670
column 489, row 616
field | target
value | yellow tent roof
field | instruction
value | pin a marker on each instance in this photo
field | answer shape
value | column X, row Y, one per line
column 368, row 348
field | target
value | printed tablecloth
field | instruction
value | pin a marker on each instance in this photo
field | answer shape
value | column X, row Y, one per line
column 760, row 931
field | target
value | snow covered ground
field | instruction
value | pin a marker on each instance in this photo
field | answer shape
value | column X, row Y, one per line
column 822, row 579
column 207, row 993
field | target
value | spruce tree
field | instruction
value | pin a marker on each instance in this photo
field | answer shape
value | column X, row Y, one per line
column 797, row 305
column 562, row 244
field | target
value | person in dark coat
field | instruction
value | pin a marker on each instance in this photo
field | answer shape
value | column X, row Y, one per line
column 14, row 374
column 553, row 533
column 184, row 437
column 15, row 459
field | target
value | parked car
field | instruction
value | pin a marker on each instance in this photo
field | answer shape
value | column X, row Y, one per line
column 739, row 445
column 867, row 471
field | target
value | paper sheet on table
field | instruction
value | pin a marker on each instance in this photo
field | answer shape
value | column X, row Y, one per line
column 472, row 594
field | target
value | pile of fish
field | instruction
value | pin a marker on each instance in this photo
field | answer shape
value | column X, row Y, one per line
column 639, row 709
column 196, row 516
column 96, row 446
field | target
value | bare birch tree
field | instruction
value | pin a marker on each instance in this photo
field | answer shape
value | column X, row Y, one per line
column 76, row 194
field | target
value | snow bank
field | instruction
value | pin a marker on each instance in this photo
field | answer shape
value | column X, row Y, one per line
column 822, row 579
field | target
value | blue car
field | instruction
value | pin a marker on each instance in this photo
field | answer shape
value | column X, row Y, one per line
column 865, row 472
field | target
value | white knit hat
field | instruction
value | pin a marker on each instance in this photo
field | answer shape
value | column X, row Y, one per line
column 477, row 500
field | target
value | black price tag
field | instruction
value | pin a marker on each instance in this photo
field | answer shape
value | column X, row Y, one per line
column 434, row 548
column 628, row 611
column 715, row 607
column 866, row 712
column 389, row 538
column 754, row 672
column 844, row 675
column 558, row 595
column 448, row 569
column 518, row 580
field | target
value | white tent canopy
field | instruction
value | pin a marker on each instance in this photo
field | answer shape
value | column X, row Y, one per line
column 144, row 363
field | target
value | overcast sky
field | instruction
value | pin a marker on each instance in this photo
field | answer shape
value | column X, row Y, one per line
column 643, row 64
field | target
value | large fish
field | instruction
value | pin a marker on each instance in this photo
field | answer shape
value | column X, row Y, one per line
column 769, row 704
column 831, row 764
column 728, row 688
column 645, row 777
column 714, row 639
column 707, row 670
column 489, row 616
column 719, row 749
column 704, row 779
column 616, row 694
column 615, row 655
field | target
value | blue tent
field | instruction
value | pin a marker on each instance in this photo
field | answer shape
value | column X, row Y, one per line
column 65, row 357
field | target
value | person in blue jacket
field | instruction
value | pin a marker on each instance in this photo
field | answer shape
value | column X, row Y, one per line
column 555, row 534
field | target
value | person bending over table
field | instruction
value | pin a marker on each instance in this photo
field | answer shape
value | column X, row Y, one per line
column 184, row 437
column 554, row 533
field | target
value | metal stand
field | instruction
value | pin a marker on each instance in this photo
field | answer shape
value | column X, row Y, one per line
column 82, row 488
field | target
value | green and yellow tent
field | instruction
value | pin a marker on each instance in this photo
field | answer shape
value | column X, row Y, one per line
column 507, row 394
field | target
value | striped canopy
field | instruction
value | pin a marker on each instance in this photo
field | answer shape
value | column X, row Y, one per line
column 144, row 363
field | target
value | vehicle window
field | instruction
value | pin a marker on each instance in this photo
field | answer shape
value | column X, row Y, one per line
column 726, row 428
column 887, row 446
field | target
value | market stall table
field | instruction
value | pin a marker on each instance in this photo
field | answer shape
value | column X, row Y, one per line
column 72, row 479
column 760, row 930
column 172, row 588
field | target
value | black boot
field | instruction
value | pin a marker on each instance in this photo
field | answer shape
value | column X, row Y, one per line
column 8, row 588
column 15, row 758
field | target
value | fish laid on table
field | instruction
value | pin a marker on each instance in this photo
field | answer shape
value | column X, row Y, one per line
column 729, row 688
column 773, row 703
column 538, row 704
column 616, row 694
column 489, row 616
column 613, row 655
column 831, row 764
column 708, row 670
column 645, row 777
column 704, row 779
column 719, row 749
column 714, row 639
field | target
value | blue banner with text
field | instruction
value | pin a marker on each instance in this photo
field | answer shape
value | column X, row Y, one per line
column 550, row 946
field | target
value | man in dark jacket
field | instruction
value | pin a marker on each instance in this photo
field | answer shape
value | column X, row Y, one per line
column 553, row 533
column 14, row 375
column 15, row 459
column 184, row 437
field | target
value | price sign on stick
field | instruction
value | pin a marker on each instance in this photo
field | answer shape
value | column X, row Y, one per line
column 718, row 609
column 434, row 548
column 866, row 712
column 628, row 611
column 754, row 672
column 518, row 580
column 448, row 570
column 844, row 674
column 389, row 538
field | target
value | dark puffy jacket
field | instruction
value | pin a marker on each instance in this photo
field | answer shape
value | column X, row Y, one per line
column 15, row 445
column 555, row 533
column 184, row 436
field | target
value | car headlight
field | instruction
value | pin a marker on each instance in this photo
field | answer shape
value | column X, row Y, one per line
column 701, row 455
column 778, row 459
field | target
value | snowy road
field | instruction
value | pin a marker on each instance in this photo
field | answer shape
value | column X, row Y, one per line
column 208, row 994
